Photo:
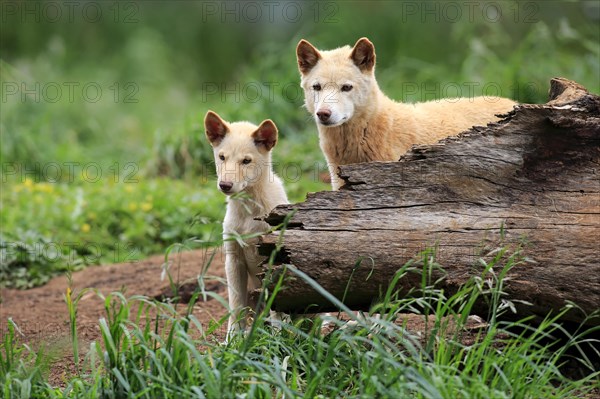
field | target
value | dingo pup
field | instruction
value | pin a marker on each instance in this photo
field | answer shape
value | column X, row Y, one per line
column 243, row 158
column 358, row 123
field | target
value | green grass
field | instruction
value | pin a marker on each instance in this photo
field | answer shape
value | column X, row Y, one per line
column 150, row 349
column 55, row 227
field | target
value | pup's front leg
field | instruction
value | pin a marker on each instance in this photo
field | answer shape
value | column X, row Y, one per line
column 254, row 260
column 237, row 286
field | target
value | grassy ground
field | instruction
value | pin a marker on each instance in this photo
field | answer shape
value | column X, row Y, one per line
column 150, row 349
column 68, row 226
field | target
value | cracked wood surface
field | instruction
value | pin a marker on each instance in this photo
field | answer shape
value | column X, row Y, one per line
column 530, row 183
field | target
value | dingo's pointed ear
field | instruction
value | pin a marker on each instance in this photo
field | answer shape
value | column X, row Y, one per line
column 215, row 127
column 363, row 55
column 308, row 56
column 266, row 135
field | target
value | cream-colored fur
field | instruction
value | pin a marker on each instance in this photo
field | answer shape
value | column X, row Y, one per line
column 243, row 159
column 361, row 123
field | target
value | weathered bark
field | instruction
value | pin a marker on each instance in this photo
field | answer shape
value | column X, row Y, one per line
column 530, row 182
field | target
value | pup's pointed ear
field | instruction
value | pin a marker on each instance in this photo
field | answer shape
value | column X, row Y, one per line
column 363, row 55
column 216, row 128
column 308, row 56
column 265, row 137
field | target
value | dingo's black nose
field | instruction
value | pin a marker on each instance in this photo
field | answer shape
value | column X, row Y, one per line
column 225, row 186
column 324, row 115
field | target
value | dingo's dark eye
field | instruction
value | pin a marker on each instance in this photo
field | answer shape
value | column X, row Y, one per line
column 222, row 157
column 346, row 87
column 317, row 87
column 246, row 161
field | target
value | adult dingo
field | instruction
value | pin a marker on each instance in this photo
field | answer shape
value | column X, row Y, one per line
column 357, row 122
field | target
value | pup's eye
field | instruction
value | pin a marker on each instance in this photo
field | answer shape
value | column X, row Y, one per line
column 222, row 157
column 246, row 161
column 346, row 87
column 317, row 87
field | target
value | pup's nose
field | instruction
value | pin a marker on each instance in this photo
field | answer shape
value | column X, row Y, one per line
column 324, row 115
column 225, row 186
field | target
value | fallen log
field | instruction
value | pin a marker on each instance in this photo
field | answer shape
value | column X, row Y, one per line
column 529, row 183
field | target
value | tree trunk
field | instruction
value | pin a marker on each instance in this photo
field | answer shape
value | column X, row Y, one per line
column 529, row 183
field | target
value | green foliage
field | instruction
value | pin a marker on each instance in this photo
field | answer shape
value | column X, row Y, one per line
column 157, row 78
column 21, row 369
column 52, row 228
column 150, row 349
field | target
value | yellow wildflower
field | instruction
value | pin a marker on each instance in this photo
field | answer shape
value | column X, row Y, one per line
column 146, row 206
column 85, row 228
column 45, row 187
column 133, row 206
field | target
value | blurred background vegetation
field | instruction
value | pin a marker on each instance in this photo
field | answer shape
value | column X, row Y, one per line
column 103, row 151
